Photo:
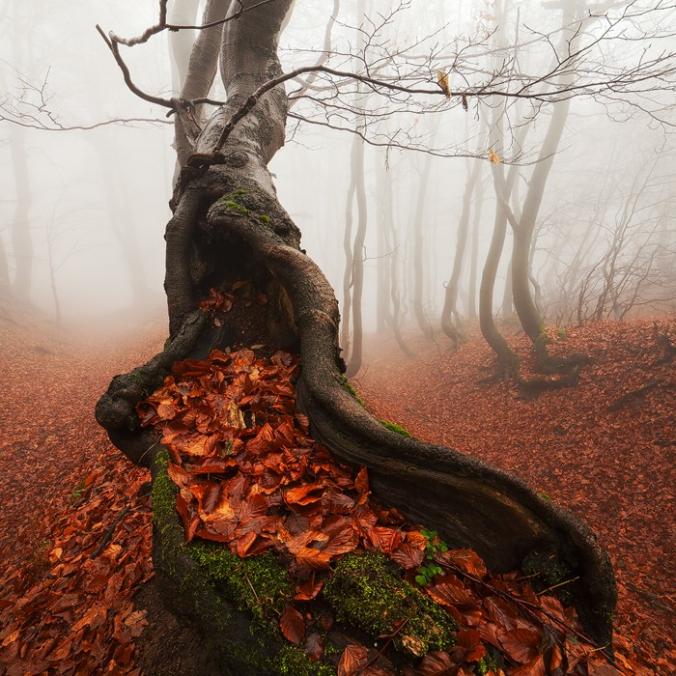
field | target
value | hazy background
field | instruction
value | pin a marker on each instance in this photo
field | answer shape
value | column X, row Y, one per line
column 95, row 196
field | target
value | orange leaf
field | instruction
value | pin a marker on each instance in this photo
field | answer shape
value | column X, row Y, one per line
column 292, row 625
column 353, row 660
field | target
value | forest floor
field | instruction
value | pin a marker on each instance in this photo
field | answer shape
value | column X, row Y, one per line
column 75, row 527
column 605, row 449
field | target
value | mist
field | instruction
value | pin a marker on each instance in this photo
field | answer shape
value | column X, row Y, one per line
column 97, row 199
column 337, row 336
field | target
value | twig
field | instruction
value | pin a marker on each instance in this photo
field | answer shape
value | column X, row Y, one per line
column 557, row 586
column 109, row 532
column 383, row 648
column 531, row 608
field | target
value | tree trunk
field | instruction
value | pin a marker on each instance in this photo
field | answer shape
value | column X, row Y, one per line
column 507, row 309
column 22, row 242
column 229, row 226
column 506, row 357
column 526, row 309
column 348, row 251
column 474, row 253
column 503, row 188
column 524, row 303
column 418, row 249
column 385, row 215
column 183, row 13
column 449, row 315
column 357, row 273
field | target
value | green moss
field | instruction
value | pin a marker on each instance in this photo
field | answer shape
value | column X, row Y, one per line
column 264, row 218
column 547, row 570
column 294, row 662
column 347, row 385
column 491, row 662
column 367, row 592
column 259, row 584
column 234, row 201
column 78, row 491
column 395, row 427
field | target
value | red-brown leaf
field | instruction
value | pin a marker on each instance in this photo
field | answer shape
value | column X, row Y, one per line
column 353, row 659
column 292, row 625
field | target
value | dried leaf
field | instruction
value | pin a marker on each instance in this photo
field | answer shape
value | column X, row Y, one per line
column 353, row 659
column 442, row 80
column 292, row 625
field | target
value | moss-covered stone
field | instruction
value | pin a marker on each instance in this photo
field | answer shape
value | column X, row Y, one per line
column 395, row 427
column 367, row 592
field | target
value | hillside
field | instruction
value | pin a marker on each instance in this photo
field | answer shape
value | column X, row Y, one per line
column 605, row 448
column 75, row 533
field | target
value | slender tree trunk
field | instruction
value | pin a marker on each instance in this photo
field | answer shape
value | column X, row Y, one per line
column 418, row 254
column 507, row 309
column 356, row 259
column 503, row 188
column 52, row 280
column 181, row 13
column 474, row 253
column 506, row 357
column 526, row 309
column 384, row 197
column 395, row 292
column 357, row 276
column 348, row 251
column 22, row 242
column 450, row 322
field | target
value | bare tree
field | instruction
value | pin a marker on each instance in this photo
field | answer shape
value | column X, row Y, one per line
column 228, row 226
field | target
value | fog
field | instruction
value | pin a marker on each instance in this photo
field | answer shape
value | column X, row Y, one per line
column 96, row 201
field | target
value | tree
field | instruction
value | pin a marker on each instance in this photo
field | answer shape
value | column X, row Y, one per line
column 228, row 226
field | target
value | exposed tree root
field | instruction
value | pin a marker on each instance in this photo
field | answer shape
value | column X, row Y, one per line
column 470, row 504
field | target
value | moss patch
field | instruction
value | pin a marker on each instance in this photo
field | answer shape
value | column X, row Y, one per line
column 347, row 385
column 365, row 591
column 234, row 201
column 259, row 584
column 294, row 662
column 395, row 427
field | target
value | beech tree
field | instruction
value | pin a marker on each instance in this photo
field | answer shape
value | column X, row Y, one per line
column 228, row 226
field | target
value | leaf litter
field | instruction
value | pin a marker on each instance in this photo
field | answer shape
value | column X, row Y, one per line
column 251, row 477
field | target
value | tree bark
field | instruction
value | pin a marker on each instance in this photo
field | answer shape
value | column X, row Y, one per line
column 199, row 78
column 450, row 323
column 22, row 242
column 385, row 215
column 474, row 253
column 228, row 226
column 529, row 315
column 354, row 363
column 418, row 248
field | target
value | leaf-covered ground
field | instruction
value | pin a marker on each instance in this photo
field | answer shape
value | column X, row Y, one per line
column 75, row 527
column 605, row 448
column 74, row 537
